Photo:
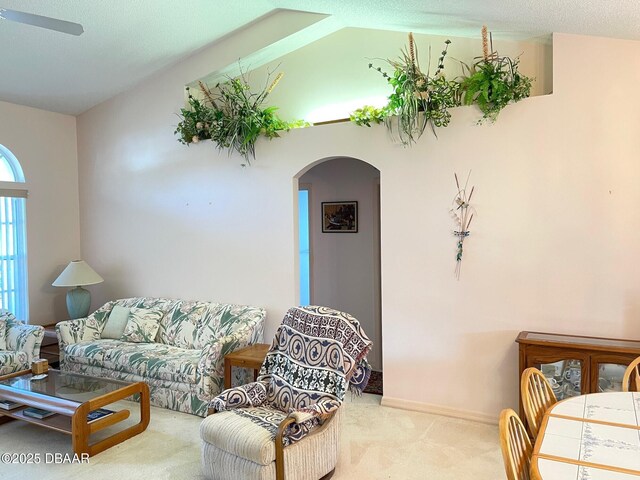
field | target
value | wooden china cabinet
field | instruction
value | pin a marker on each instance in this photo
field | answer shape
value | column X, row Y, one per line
column 575, row 365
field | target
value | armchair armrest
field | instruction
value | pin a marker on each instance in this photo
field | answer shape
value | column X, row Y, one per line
column 78, row 330
column 250, row 395
column 300, row 423
column 291, row 431
column 25, row 338
column 320, row 410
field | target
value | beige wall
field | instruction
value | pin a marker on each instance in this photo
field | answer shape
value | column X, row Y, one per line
column 45, row 145
column 345, row 267
column 553, row 247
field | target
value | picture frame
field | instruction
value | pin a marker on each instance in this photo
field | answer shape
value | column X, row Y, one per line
column 340, row 217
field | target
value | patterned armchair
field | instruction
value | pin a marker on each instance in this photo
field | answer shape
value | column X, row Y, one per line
column 19, row 343
column 288, row 421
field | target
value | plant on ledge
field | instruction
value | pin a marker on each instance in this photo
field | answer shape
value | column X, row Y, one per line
column 232, row 117
column 418, row 99
column 365, row 115
column 493, row 82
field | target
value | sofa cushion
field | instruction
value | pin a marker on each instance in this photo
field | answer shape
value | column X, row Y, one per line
column 13, row 362
column 179, row 327
column 116, row 322
column 149, row 360
column 157, row 361
column 93, row 352
column 142, row 325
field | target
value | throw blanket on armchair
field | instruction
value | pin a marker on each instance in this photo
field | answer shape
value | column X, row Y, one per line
column 317, row 354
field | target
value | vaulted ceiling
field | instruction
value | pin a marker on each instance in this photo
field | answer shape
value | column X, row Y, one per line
column 126, row 41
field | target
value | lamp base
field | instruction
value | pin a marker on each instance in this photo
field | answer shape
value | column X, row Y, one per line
column 78, row 302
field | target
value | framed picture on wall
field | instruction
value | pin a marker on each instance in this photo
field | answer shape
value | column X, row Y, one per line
column 340, row 217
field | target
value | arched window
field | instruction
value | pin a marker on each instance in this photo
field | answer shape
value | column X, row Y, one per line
column 13, row 237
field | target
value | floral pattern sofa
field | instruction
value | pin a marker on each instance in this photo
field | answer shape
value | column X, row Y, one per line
column 19, row 343
column 184, row 366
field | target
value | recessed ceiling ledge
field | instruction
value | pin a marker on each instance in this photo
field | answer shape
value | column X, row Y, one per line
column 283, row 32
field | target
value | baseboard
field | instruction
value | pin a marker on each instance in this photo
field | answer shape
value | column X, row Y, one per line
column 438, row 410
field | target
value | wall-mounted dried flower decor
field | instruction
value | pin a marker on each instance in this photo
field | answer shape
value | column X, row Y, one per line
column 462, row 214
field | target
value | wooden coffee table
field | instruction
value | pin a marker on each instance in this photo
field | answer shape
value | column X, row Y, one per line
column 72, row 396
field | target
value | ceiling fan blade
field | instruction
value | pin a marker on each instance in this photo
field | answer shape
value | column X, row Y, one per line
column 42, row 22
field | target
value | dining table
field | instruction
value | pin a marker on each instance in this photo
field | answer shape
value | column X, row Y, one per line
column 589, row 437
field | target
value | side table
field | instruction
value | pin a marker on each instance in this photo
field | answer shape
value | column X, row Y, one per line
column 50, row 350
column 248, row 357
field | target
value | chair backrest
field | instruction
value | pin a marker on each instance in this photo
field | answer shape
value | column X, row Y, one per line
column 516, row 446
column 316, row 355
column 631, row 378
column 537, row 396
column 5, row 316
column 18, row 336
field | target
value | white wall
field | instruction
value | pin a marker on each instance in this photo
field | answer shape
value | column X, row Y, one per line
column 554, row 245
column 345, row 271
column 45, row 145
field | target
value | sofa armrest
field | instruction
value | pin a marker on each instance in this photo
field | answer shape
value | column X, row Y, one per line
column 233, row 320
column 78, row 330
column 25, row 338
column 89, row 328
column 211, row 365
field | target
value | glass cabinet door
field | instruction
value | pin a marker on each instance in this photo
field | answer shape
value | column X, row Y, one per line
column 610, row 377
column 565, row 377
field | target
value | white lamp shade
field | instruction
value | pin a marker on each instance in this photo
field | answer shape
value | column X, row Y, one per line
column 77, row 273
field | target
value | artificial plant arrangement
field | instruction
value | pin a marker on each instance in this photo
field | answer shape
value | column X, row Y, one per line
column 232, row 116
column 493, row 82
column 462, row 214
column 366, row 115
column 418, row 98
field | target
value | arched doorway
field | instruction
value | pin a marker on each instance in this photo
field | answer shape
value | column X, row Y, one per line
column 339, row 242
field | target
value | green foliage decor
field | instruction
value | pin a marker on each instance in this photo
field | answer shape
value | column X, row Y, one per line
column 366, row 115
column 232, row 117
column 493, row 82
column 418, row 99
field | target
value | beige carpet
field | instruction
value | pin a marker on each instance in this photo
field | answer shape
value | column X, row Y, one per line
column 378, row 443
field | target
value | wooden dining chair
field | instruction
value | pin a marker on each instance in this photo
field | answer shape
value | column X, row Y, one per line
column 631, row 378
column 537, row 396
column 516, row 446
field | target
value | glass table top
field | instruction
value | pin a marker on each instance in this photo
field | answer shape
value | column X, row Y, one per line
column 64, row 385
